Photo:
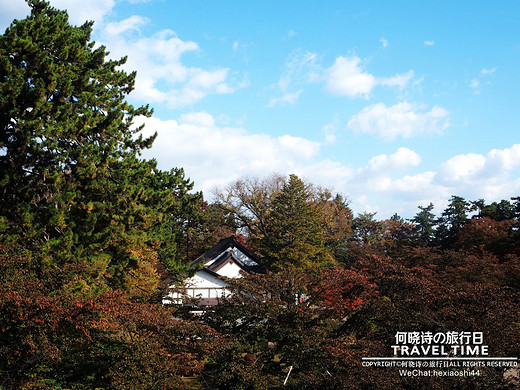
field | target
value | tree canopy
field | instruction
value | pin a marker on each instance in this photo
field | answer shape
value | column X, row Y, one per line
column 88, row 228
column 72, row 184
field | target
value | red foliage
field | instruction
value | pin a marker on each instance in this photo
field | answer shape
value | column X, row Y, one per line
column 341, row 290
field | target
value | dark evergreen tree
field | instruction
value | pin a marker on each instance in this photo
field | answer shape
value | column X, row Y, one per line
column 367, row 229
column 452, row 219
column 72, row 185
column 294, row 236
column 498, row 211
column 85, row 223
column 424, row 222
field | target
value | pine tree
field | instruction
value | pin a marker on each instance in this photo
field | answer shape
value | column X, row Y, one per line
column 85, row 222
column 424, row 222
column 294, row 234
column 452, row 219
column 72, row 186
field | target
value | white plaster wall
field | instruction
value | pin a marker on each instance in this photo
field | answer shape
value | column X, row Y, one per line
column 204, row 279
column 200, row 285
column 230, row 270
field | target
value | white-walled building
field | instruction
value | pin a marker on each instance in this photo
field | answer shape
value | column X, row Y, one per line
column 228, row 259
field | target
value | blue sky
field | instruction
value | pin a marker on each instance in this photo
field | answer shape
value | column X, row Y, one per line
column 394, row 104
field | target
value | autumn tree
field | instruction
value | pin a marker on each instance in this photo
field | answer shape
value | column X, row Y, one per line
column 336, row 223
column 256, row 205
column 90, row 224
column 249, row 200
column 397, row 234
column 270, row 332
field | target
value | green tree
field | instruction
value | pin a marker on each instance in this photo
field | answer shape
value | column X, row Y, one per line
column 424, row 222
column 86, row 225
column 452, row 219
column 498, row 211
column 72, row 185
column 367, row 230
column 294, row 234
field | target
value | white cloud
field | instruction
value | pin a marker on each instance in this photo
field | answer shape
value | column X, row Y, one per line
column 471, row 175
column 235, row 46
column 216, row 155
column 419, row 184
column 377, row 176
column 347, row 77
column 403, row 158
column 429, row 43
column 461, row 167
column 384, row 42
column 162, row 78
column 471, row 169
column 83, row 10
column 403, row 119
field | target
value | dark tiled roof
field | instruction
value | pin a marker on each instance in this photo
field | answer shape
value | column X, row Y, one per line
column 222, row 246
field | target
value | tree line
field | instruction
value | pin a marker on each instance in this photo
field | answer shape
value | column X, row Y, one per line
column 88, row 229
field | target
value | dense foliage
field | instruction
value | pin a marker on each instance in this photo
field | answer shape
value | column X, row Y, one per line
column 88, row 229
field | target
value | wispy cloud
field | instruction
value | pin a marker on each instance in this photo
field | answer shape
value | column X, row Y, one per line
column 300, row 68
column 288, row 98
column 330, row 130
column 484, row 77
column 429, row 43
column 486, row 71
column 400, row 80
column 384, row 42
column 133, row 23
